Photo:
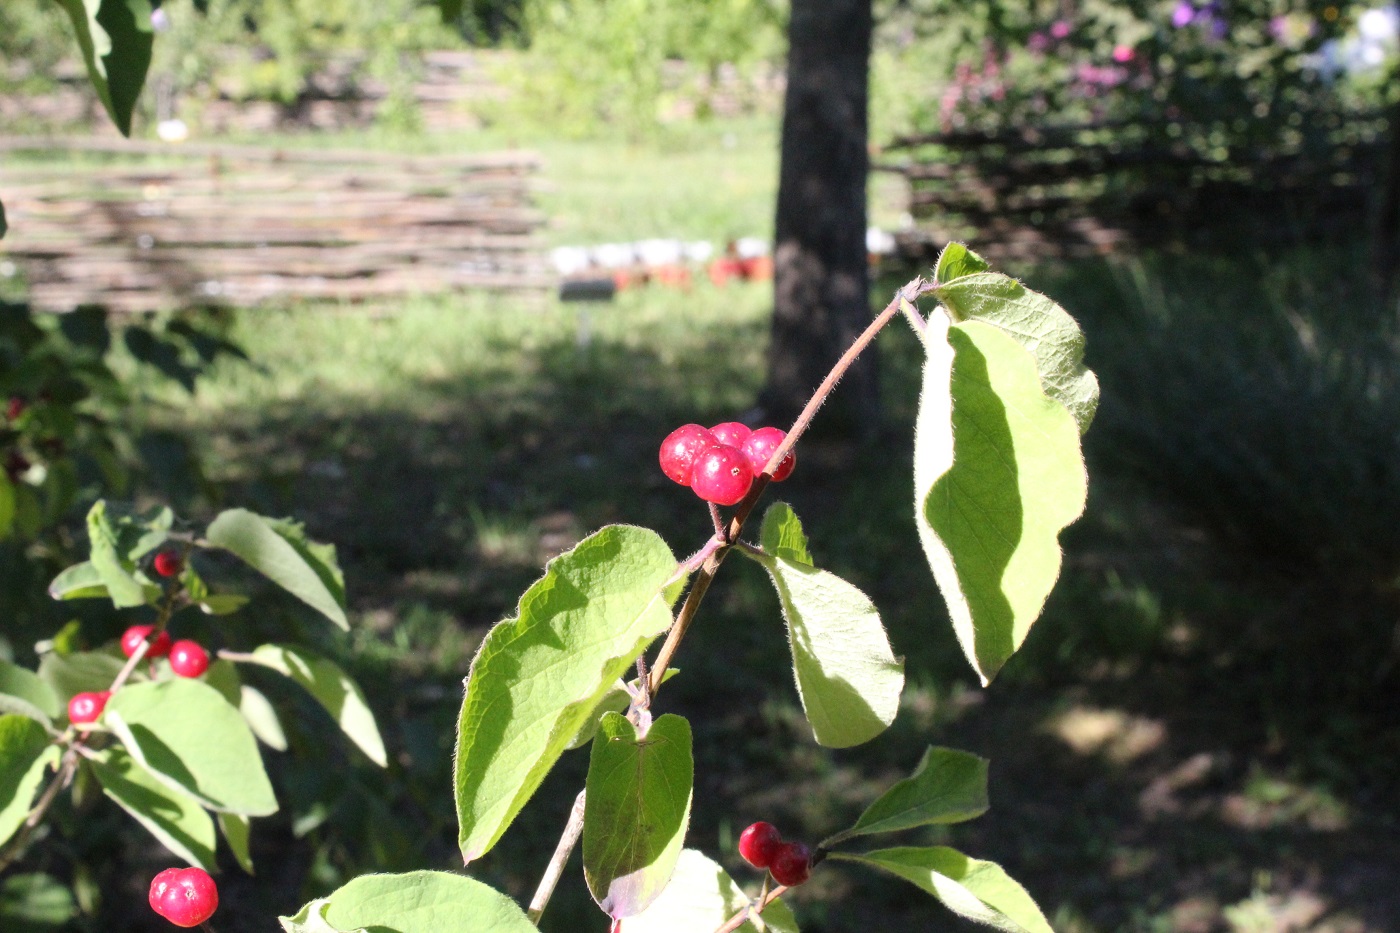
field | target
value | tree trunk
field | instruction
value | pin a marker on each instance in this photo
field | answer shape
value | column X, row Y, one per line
column 821, row 277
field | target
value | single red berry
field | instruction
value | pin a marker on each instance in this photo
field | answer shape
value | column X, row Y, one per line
column 16, row 407
column 185, row 896
column 132, row 638
column 168, row 563
column 188, row 658
column 721, row 475
column 761, row 445
column 86, row 707
column 680, row 448
column 792, row 864
column 732, row 433
column 759, row 843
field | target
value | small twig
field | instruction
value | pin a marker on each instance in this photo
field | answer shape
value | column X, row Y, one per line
column 719, row 522
column 738, row 920
column 572, row 830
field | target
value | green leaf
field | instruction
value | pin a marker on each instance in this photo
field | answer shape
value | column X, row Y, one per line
column 538, row 677
column 450, row 9
column 280, row 551
column 948, row 786
column 997, row 475
column 81, row 672
column 616, row 700
column 115, row 39
column 236, row 830
column 636, row 810
column 80, row 581
column 25, row 692
column 975, row 889
column 175, row 818
column 332, row 688
column 25, row 753
column 112, row 570
column 185, row 733
column 261, row 717
column 34, row 903
column 782, row 534
column 223, row 676
column 416, row 902
column 222, row 604
column 847, row 676
column 956, row 261
column 700, row 897
column 1038, row 324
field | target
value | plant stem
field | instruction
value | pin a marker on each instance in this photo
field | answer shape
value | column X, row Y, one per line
column 572, row 830
column 738, row 920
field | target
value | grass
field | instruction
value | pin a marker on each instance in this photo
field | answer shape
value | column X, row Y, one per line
column 1170, row 750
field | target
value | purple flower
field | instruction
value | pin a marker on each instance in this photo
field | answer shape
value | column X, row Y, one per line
column 1184, row 14
column 1060, row 28
column 1038, row 42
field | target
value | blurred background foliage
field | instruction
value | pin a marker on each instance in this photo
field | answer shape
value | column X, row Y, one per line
column 1200, row 735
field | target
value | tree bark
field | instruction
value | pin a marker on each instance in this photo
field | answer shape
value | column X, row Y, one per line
column 821, row 276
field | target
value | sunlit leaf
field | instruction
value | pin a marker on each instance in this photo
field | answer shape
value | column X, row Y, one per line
column 115, row 39
column 236, row 829
column 80, row 672
column 700, row 897
column 975, row 889
column 280, row 551
column 997, row 475
column 948, row 786
column 188, row 736
column 847, row 676
column 538, row 677
column 80, row 581
column 332, row 688
column 25, row 754
column 416, row 902
column 25, row 692
column 956, row 261
column 175, row 818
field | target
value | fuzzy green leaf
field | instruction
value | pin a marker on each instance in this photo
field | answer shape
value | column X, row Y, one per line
column 114, row 571
column 82, row 672
column 24, row 692
column 280, row 551
column 332, row 688
column 416, row 902
column 538, row 677
column 948, row 786
column 115, row 39
column 997, row 475
column 175, row 818
column 956, row 261
column 847, row 676
column 7, row 489
column 636, row 810
column 25, row 754
column 975, row 889
column 80, row 581
column 700, row 897
column 188, row 736
column 1038, row 324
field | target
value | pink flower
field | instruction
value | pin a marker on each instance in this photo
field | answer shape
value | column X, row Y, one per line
column 1123, row 54
column 1060, row 28
column 1038, row 42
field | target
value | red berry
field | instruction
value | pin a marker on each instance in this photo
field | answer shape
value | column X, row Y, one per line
column 86, row 707
column 732, row 433
column 188, row 658
column 721, row 475
column 761, row 445
column 132, row 638
column 168, row 563
column 185, row 896
column 792, row 864
column 16, row 407
column 759, row 843
column 680, row 448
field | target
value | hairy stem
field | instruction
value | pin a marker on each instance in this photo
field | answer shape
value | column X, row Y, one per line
column 751, row 910
column 572, row 830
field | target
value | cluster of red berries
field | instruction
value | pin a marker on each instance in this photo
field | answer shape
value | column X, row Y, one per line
column 185, row 896
column 762, row 846
column 720, row 463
